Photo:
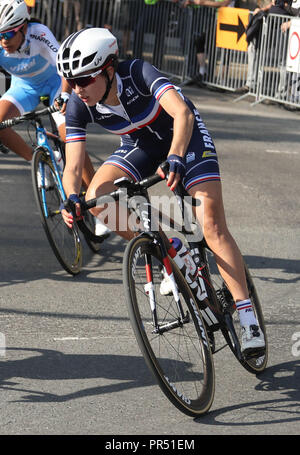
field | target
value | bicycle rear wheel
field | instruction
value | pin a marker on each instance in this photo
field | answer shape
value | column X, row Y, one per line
column 179, row 356
column 65, row 242
column 257, row 363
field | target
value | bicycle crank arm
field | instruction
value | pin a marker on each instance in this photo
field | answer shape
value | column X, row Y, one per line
column 172, row 325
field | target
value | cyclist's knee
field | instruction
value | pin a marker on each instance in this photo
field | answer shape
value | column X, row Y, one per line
column 103, row 180
column 8, row 110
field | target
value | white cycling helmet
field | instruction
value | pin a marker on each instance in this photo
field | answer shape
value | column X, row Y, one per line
column 12, row 14
column 88, row 49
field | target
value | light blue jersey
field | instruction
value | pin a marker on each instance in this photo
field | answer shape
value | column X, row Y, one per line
column 32, row 68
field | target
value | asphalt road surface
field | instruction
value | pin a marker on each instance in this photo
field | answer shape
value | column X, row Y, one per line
column 71, row 363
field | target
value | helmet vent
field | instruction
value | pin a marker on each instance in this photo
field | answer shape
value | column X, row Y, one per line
column 9, row 13
column 88, row 59
column 75, row 64
column 66, row 53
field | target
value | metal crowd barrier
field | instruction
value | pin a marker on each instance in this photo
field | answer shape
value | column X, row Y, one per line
column 275, row 82
column 267, row 62
column 64, row 17
column 157, row 33
column 165, row 35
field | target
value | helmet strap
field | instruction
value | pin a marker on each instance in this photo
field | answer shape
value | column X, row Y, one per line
column 23, row 39
column 108, row 87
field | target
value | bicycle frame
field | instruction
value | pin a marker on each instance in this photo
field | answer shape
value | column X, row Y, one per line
column 42, row 141
column 215, row 306
column 143, row 209
column 138, row 202
column 212, row 314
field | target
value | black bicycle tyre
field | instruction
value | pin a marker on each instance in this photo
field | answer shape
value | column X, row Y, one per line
column 257, row 364
column 72, row 262
column 194, row 407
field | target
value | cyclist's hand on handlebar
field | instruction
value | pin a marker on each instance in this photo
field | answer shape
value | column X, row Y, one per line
column 61, row 102
column 67, row 217
column 176, row 171
column 73, row 202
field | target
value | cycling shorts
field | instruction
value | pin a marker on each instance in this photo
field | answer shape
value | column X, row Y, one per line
column 26, row 97
column 200, row 159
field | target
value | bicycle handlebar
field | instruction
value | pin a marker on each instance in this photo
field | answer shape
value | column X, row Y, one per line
column 28, row 116
column 126, row 187
column 132, row 187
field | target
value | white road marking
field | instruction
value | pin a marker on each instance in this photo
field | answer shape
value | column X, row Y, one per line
column 283, row 152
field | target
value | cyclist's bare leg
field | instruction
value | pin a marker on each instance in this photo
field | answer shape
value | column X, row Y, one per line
column 103, row 183
column 62, row 131
column 9, row 137
column 219, row 239
column 88, row 171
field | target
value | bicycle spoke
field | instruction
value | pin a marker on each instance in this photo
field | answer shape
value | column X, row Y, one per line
column 174, row 349
column 64, row 242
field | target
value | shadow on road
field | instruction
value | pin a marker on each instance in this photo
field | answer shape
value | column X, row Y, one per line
column 283, row 378
column 50, row 365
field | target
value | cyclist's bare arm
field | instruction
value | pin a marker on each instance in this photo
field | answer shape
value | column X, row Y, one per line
column 175, row 106
column 66, row 91
column 72, row 178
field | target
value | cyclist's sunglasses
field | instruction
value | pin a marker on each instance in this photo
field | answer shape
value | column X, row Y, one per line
column 83, row 81
column 10, row 33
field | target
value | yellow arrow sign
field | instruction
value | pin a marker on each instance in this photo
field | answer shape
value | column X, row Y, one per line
column 231, row 28
column 30, row 2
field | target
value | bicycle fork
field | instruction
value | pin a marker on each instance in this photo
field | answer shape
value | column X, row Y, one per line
column 144, row 209
column 149, row 289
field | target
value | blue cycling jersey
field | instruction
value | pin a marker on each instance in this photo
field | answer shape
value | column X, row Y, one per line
column 33, row 69
column 35, row 61
column 145, row 128
column 139, row 117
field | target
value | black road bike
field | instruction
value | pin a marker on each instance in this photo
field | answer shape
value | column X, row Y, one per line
column 175, row 332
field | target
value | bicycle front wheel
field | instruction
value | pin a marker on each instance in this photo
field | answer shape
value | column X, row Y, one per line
column 65, row 242
column 175, row 349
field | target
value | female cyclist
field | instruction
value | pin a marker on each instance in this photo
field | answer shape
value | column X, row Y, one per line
column 156, row 123
column 28, row 52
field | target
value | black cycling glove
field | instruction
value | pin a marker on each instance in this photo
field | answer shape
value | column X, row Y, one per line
column 176, row 165
column 70, row 203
